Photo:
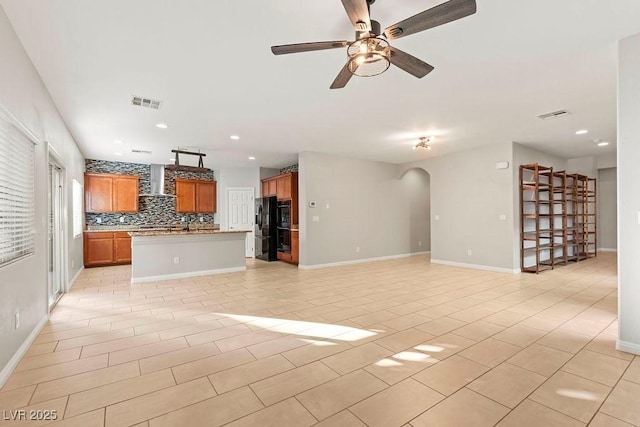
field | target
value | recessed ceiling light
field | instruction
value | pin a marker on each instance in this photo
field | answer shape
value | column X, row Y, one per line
column 117, row 141
column 118, row 154
column 235, row 137
column 603, row 144
column 251, row 158
column 582, row 132
column 162, row 125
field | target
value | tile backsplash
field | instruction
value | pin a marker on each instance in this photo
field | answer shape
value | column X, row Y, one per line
column 154, row 210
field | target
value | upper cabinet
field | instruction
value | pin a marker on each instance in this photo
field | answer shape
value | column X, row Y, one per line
column 284, row 187
column 106, row 193
column 193, row 196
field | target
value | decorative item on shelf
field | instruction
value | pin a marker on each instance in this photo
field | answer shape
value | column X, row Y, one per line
column 425, row 143
column 178, row 167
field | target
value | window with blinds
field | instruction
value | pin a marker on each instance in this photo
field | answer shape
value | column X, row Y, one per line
column 16, row 193
column 77, row 209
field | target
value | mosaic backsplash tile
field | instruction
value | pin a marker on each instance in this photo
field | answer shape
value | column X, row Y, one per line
column 292, row 168
column 156, row 210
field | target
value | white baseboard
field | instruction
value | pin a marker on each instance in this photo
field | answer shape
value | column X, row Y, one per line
column 607, row 250
column 22, row 350
column 360, row 261
column 73, row 281
column 185, row 275
column 477, row 266
column 628, row 347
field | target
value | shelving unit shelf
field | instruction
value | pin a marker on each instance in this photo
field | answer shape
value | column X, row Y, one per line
column 557, row 218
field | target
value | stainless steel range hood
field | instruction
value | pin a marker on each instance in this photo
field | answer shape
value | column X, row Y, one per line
column 157, row 182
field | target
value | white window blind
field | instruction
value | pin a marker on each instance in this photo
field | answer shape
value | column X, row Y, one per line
column 16, row 193
column 77, row 209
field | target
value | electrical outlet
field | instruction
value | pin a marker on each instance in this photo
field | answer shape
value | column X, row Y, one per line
column 176, row 260
column 17, row 320
column 420, row 243
column 327, row 205
column 99, row 220
column 121, row 219
column 183, row 219
column 502, row 217
column 357, row 248
column 201, row 219
column 469, row 252
column 436, row 217
column 315, row 218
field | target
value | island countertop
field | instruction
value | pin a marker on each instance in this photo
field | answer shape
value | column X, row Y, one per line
column 181, row 232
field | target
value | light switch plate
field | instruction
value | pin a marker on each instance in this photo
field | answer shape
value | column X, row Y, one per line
column 437, row 217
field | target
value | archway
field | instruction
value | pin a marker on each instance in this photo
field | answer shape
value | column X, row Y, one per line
column 416, row 182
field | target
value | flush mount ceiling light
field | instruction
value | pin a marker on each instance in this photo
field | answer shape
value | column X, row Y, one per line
column 603, row 144
column 425, row 143
column 118, row 154
column 162, row 125
column 251, row 158
column 582, row 132
column 235, row 137
column 117, row 141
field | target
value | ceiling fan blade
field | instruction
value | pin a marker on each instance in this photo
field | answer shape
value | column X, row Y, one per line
column 409, row 63
column 441, row 14
column 343, row 78
column 307, row 47
column 358, row 11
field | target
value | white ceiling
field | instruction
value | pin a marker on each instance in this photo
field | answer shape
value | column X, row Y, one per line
column 210, row 64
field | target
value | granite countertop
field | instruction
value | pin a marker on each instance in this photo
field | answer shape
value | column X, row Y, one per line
column 143, row 233
column 150, row 228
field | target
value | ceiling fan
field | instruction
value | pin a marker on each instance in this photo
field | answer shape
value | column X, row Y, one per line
column 371, row 54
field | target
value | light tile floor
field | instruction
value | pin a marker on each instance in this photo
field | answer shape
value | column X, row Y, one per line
column 390, row 343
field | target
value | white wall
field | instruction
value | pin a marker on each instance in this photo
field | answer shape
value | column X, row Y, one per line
column 359, row 204
column 23, row 285
column 234, row 178
column 469, row 194
column 607, row 209
column 583, row 165
column 607, row 161
column 628, row 194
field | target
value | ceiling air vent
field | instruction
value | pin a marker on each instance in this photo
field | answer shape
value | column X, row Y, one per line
column 554, row 115
column 135, row 150
column 145, row 102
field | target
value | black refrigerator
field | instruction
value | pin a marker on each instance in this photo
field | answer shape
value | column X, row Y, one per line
column 266, row 229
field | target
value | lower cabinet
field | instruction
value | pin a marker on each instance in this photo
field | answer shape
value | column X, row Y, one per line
column 106, row 248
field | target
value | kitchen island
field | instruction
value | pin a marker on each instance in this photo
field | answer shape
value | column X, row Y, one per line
column 164, row 255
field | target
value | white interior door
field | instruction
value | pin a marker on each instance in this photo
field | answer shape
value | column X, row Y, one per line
column 241, row 215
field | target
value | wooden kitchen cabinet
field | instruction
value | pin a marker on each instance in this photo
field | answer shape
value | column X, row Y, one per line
column 295, row 246
column 283, row 187
column 108, row 193
column 194, row 196
column 106, row 248
column 273, row 187
column 121, row 248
